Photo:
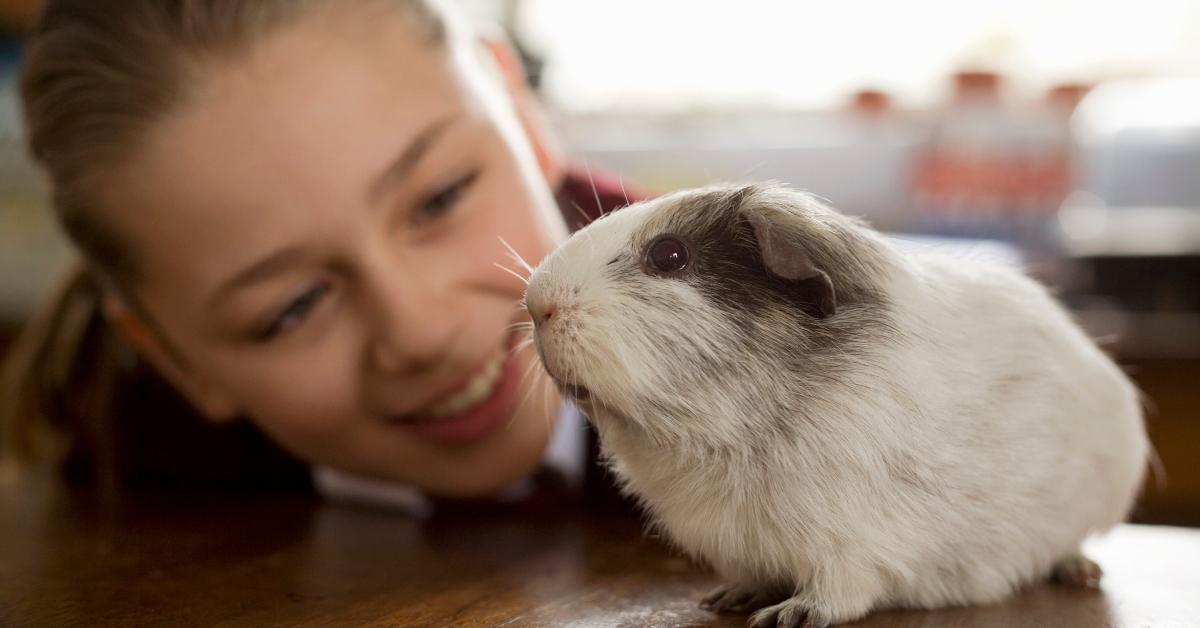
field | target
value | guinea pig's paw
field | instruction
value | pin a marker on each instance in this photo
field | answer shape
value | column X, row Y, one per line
column 1077, row 570
column 823, row 601
column 794, row 612
column 741, row 598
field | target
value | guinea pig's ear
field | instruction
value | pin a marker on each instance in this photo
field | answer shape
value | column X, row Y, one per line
column 784, row 256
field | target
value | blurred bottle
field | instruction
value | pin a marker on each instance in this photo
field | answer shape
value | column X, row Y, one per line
column 871, row 103
column 1047, row 157
column 870, row 115
column 992, row 170
column 869, row 169
column 956, row 179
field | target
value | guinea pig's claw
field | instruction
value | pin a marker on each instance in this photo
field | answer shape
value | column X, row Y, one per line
column 790, row 613
column 1077, row 570
column 738, row 598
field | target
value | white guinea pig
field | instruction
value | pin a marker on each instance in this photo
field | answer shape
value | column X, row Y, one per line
column 835, row 426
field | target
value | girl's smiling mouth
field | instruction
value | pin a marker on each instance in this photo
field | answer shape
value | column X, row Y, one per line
column 483, row 404
column 478, row 388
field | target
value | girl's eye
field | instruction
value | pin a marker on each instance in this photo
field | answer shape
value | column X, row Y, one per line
column 293, row 314
column 444, row 200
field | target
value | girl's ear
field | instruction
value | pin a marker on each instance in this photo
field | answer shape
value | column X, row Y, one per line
column 203, row 395
column 529, row 109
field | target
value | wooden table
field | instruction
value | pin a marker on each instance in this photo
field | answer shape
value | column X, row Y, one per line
column 71, row 559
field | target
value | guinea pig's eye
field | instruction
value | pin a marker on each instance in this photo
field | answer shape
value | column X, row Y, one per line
column 667, row 254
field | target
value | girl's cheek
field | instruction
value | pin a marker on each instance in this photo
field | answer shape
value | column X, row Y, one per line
column 307, row 409
column 311, row 425
column 301, row 397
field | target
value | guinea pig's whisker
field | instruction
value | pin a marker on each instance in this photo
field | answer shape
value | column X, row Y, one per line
column 528, row 390
column 546, row 403
column 529, row 370
column 749, row 171
column 511, row 272
column 516, row 257
column 525, row 341
column 533, row 364
column 542, row 382
column 621, row 182
column 521, row 346
column 595, row 193
column 576, row 358
column 586, row 219
column 526, row 325
column 582, row 212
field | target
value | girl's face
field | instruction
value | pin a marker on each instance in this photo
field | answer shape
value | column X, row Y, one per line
column 320, row 228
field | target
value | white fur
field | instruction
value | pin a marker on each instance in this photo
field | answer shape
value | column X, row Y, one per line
column 964, row 457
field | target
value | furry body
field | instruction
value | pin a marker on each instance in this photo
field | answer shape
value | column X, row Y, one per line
column 944, row 437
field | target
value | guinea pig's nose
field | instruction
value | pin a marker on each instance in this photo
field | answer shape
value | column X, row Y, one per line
column 542, row 314
column 541, row 309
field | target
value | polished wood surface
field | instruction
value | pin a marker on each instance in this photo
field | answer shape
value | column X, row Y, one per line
column 72, row 559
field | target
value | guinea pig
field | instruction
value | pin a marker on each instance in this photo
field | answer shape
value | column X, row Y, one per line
column 833, row 425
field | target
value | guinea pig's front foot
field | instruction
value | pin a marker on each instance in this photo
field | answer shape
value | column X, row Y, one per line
column 794, row 612
column 1077, row 570
column 742, row 598
column 833, row 596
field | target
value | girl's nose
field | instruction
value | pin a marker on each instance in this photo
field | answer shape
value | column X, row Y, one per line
column 412, row 328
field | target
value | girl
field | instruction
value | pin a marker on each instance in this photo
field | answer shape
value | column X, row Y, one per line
column 293, row 212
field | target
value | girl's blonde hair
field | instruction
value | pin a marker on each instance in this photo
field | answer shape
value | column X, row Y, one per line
column 96, row 77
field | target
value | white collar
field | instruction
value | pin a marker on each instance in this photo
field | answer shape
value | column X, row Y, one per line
column 566, row 453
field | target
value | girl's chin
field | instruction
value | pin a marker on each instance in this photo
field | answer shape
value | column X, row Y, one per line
column 491, row 473
column 503, row 463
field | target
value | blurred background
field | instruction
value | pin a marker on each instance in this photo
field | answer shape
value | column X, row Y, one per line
column 1062, row 135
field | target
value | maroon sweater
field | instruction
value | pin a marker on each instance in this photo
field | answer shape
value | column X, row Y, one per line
column 587, row 193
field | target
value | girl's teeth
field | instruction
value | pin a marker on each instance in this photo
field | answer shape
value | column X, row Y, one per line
column 474, row 392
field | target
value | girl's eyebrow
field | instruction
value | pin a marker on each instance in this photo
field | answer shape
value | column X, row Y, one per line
column 266, row 267
column 403, row 164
